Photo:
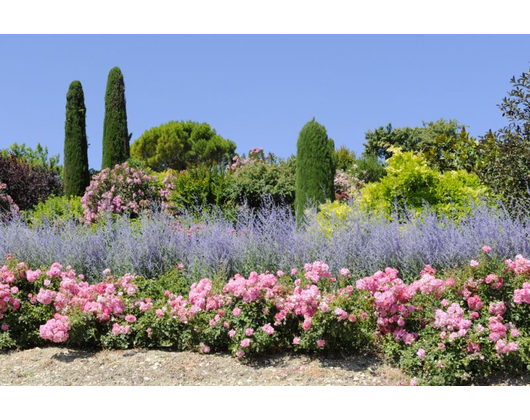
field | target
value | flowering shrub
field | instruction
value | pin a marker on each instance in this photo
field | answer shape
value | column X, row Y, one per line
column 449, row 329
column 8, row 208
column 121, row 190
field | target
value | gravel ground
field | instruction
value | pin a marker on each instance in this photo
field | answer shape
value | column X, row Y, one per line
column 60, row 366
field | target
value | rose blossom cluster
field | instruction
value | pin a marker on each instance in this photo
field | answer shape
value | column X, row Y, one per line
column 56, row 329
column 121, row 190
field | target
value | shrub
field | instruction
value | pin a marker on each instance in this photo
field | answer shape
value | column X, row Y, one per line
column 315, row 167
column 253, row 181
column 56, row 211
column 115, row 132
column 26, row 184
column 411, row 183
column 452, row 328
column 180, row 145
column 382, row 140
column 193, row 189
column 369, row 168
column 76, row 176
column 122, row 190
column 33, row 157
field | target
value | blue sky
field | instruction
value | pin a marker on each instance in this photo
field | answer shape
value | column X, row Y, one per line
column 257, row 90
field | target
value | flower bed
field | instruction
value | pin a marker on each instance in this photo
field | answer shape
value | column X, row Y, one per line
column 441, row 329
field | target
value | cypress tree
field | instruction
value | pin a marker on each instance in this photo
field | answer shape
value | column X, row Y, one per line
column 315, row 167
column 115, row 133
column 76, row 175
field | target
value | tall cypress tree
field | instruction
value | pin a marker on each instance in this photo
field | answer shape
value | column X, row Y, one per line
column 315, row 167
column 76, row 174
column 115, row 133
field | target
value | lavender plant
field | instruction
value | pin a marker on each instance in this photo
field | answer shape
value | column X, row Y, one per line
column 266, row 239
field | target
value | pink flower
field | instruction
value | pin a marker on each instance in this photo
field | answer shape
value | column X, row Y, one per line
column 344, row 272
column 307, row 324
column 473, row 263
column 240, row 353
column 130, row 318
column 204, row 348
column 321, row 343
column 514, row 333
column 486, row 249
column 31, row 276
column 245, row 343
column 249, row 332
column 160, row 313
column 421, row 353
column 180, row 266
column 236, row 311
column 5, row 327
column 296, row 341
column 280, row 273
column 268, row 329
column 231, row 333
column 106, row 272
column 352, row 318
column 294, row 271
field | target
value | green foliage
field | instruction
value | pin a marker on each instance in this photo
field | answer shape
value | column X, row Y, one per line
column 37, row 157
column 56, row 211
column 453, row 153
column 254, row 181
column 115, row 132
column 505, row 154
column 332, row 216
column 410, row 183
column 315, row 167
column 181, row 144
column 368, row 168
column 408, row 139
column 197, row 187
column 344, row 158
column 76, row 176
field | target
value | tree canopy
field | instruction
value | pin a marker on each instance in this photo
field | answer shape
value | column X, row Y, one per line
column 182, row 144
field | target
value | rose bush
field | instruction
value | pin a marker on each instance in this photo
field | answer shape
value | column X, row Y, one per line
column 454, row 328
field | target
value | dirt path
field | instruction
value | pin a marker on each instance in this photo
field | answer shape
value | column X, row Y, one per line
column 59, row 366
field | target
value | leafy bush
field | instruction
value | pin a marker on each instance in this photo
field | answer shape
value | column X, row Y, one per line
column 56, row 211
column 122, row 190
column 254, row 181
column 344, row 158
column 33, row 157
column 450, row 329
column 180, row 145
column 27, row 184
column 367, row 169
column 194, row 188
column 411, row 183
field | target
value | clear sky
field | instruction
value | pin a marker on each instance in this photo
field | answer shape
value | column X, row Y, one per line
column 257, row 90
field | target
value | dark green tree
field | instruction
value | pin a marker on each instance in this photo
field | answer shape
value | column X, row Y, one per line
column 181, row 145
column 315, row 167
column 410, row 139
column 115, row 133
column 76, row 175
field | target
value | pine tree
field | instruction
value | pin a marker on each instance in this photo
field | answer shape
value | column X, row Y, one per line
column 115, row 133
column 315, row 167
column 76, row 174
